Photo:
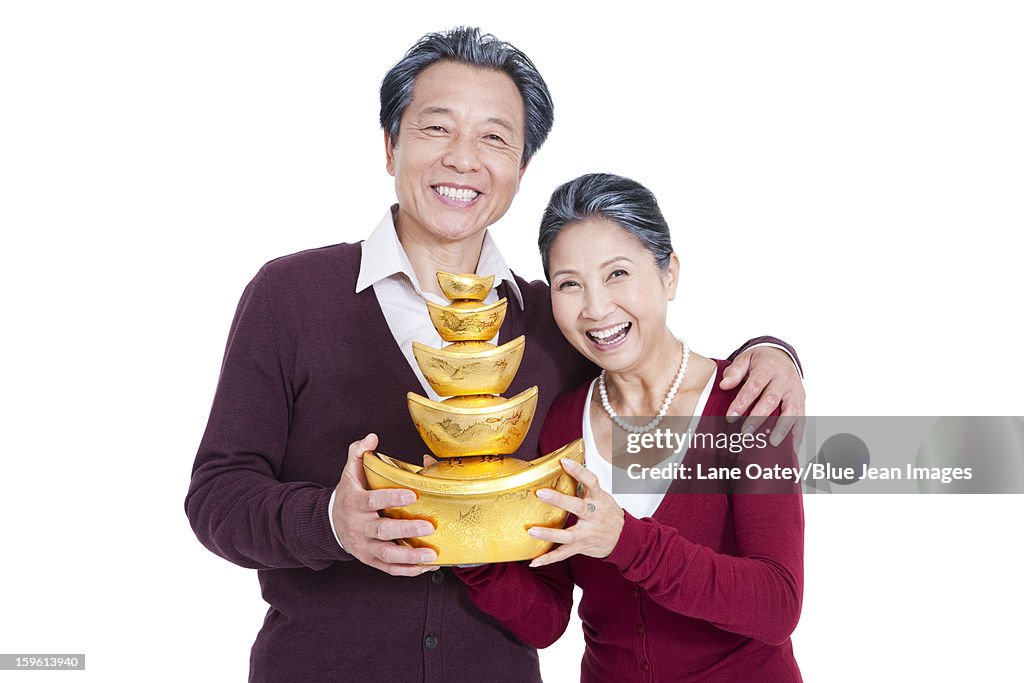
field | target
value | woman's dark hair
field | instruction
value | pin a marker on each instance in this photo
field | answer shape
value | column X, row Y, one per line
column 466, row 45
column 620, row 200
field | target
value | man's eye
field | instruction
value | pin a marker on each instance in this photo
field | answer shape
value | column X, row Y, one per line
column 436, row 129
column 493, row 137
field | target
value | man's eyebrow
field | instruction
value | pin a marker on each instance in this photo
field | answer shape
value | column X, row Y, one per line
column 501, row 122
column 436, row 110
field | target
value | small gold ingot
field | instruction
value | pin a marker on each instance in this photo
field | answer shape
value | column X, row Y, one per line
column 471, row 287
column 481, row 508
column 474, row 322
column 451, row 431
column 470, row 367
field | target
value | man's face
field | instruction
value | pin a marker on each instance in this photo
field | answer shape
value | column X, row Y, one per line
column 457, row 160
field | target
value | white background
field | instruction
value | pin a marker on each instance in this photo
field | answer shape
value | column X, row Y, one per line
column 846, row 176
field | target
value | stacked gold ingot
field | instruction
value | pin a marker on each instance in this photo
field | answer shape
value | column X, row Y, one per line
column 480, row 502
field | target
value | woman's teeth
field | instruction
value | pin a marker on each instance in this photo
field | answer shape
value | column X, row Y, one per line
column 611, row 334
column 462, row 195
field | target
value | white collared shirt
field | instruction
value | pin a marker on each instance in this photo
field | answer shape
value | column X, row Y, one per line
column 385, row 266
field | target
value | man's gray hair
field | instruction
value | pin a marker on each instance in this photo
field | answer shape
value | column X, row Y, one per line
column 466, row 45
column 597, row 196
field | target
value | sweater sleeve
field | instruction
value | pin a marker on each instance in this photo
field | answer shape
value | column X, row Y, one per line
column 756, row 593
column 770, row 341
column 534, row 604
column 236, row 504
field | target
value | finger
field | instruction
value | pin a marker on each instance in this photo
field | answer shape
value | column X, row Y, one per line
column 735, row 373
column 746, row 396
column 429, row 460
column 543, row 533
column 568, row 503
column 384, row 529
column 557, row 555
column 354, row 466
column 389, row 498
column 582, row 475
column 798, row 433
column 781, row 428
column 402, row 569
column 387, row 552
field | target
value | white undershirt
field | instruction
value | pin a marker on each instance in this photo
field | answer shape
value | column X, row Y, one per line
column 639, row 505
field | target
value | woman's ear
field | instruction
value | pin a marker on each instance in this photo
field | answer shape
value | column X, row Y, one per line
column 671, row 276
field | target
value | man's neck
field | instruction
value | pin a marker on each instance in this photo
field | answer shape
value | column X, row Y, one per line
column 428, row 254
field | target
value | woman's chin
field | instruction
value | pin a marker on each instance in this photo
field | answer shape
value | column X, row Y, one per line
column 606, row 356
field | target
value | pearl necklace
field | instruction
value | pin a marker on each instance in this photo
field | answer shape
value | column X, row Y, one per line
column 637, row 429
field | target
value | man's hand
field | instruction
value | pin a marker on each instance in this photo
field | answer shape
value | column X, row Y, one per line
column 772, row 376
column 364, row 533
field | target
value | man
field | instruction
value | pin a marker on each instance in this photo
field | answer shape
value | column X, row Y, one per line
column 320, row 352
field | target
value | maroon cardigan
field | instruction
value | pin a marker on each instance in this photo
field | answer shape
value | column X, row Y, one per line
column 709, row 589
column 310, row 367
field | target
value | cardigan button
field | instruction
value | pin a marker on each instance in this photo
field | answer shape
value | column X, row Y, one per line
column 437, row 576
column 645, row 666
column 640, row 629
column 634, row 593
column 430, row 642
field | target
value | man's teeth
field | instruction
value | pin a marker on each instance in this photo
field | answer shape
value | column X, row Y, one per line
column 608, row 335
column 461, row 195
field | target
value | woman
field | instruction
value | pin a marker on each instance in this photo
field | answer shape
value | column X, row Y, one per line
column 675, row 587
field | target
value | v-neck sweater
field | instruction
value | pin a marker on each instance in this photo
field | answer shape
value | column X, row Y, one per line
column 310, row 367
column 709, row 588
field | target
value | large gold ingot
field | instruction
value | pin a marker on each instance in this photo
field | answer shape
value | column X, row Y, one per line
column 480, row 502
column 470, row 367
column 492, row 428
column 481, row 510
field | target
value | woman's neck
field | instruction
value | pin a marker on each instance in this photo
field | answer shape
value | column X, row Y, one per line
column 641, row 390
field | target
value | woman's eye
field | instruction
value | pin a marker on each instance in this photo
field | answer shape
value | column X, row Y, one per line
column 618, row 272
column 567, row 284
column 493, row 137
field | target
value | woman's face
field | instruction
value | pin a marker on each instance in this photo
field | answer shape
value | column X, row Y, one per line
column 608, row 296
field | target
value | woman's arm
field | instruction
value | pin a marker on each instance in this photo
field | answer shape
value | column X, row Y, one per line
column 534, row 604
column 757, row 594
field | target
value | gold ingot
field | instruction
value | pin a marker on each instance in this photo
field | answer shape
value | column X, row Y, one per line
column 470, row 367
column 481, row 508
column 471, row 287
column 493, row 429
column 467, row 321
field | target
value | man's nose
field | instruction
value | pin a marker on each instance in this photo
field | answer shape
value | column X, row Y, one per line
column 462, row 154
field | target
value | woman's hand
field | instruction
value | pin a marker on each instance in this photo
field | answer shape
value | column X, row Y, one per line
column 598, row 524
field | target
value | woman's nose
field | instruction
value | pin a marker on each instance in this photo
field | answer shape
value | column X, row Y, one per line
column 596, row 303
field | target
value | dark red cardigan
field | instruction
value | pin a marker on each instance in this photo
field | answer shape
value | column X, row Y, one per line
column 709, row 589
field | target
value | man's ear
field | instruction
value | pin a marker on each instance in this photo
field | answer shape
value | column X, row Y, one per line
column 522, row 170
column 389, row 154
column 672, row 276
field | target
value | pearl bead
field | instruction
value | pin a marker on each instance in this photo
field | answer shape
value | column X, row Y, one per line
column 638, row 429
